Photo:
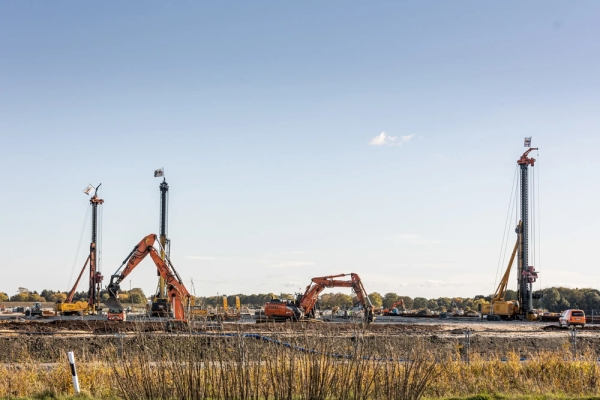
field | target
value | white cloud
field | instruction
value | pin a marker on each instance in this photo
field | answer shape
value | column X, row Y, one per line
column 384, row 140
column 437, row 284
column 293, row 284
column 293, row 264
column 201, row 258
column 411, row 238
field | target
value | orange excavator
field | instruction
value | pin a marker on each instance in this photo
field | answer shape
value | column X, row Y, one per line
column 304, row 306
column 395, row 309
column 179, row 297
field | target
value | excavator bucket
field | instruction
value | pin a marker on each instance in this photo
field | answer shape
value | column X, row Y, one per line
column 113, row 302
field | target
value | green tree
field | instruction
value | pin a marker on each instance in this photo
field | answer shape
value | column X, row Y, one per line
column 3, row 297
column 23, row 296
column 592, row 300
column 138, row 291
column 419, row 303
column 408, row 302
column 376, row 299
column 342, row 300
column 389, row 299
column 432, row 304
column 54, row 297
column 35, row 297
column 137, row 298
column 551, row 299
column 444, row 302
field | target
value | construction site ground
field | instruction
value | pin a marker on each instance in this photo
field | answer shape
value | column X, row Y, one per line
column 48, row 339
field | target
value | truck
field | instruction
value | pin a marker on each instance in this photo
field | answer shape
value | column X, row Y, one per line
column 35, row 311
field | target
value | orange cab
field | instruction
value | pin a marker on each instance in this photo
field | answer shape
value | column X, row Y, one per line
column 572, row 317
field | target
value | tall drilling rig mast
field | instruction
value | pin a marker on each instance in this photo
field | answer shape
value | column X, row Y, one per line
column 95, row 278
column 526, row 273
column 160, row 303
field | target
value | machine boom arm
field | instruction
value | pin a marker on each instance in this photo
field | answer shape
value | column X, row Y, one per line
column 178, row 293
column 311, row 295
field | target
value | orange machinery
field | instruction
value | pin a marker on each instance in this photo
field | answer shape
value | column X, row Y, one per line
column 395, row 309
column 304, row 306
column 179, row 297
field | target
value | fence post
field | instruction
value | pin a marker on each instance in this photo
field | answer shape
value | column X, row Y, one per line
column 467, row 346
column 573, row 333
column 74, row 372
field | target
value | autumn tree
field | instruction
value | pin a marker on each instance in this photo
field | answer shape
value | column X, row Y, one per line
column 376, row 299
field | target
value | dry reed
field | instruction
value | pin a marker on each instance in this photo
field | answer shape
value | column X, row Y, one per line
column 188, row 366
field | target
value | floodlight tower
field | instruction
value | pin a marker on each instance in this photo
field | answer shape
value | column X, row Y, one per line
column 527, row 274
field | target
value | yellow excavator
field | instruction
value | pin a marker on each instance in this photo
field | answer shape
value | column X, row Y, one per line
column 499, row 308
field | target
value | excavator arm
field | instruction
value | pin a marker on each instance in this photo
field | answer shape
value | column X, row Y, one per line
column 177, row 291
column 311, row 295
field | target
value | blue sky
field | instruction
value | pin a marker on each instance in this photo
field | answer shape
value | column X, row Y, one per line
column 262, row 114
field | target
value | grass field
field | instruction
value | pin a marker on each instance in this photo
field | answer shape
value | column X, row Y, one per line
column 233, row 367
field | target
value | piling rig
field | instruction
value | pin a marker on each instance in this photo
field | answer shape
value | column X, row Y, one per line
column 526, row 273
column 92, row 305
column 522, row 308
column 304, row 305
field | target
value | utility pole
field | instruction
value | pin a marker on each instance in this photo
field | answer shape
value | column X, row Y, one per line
column 95, row 278
column 527, row 274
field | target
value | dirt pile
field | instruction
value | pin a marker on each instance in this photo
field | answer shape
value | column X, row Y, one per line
column 89, row 326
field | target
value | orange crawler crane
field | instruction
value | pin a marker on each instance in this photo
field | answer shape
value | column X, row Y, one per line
column 304, row 306
column 179, row 297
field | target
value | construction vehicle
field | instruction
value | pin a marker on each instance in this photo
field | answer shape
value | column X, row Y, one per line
column 500, row 308
column 225, row 313
column 304, row 305
column 160, row 306
column 394, row 310
column 179, row 297
column 92, row 305
column 522, row 308
column 35, row 310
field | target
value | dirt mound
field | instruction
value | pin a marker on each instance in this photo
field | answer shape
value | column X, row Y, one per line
column 91, row 326
column 559, row 328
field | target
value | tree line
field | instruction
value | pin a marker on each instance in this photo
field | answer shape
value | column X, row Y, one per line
column 554, row 299
column 135, row 296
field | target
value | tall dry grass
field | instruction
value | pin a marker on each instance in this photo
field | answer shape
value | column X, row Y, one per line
column 187, row 366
